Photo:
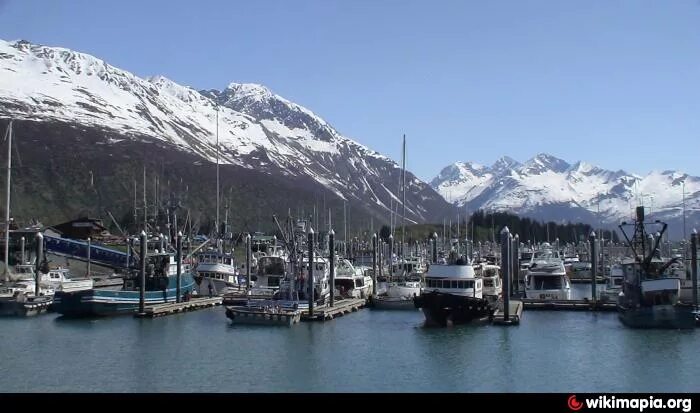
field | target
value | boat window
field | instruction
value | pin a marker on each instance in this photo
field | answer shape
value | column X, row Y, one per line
column 546, row 283
column 454, row 284
column 617, row 281
column 488, row 283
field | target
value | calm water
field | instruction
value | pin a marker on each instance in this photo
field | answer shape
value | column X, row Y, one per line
column 364, row 351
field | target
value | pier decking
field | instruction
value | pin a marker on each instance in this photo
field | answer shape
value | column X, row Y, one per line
column 570, row 305
column 340, row 308
column 515, row 312
column 159, row 310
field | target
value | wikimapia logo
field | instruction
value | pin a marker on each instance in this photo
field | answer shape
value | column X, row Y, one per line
column 605, row 402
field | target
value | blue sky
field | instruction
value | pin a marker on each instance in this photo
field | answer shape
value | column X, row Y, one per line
column 612, row 82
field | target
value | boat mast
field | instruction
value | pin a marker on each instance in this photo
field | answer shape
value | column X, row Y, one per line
column 217, row 171
column 403, row 189
column 8, row 136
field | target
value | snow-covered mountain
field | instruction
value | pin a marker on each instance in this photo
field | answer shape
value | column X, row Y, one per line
column 257, row 130
column 549, row 188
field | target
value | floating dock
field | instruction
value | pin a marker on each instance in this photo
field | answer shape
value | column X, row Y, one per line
column 159, row 310
column 340, row 308
column 514, row 314
column 568, row 305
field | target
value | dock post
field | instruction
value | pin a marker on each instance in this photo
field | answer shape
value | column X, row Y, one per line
column 142, row 272
column 162, row 242
column 310, row 278
column 516, row 265
column 505, row 247
column 594, row 264
column 128, row 252
column 178, row 246
column 89, row 252
column 694, row 265
column 24, row 257
column 374, row 264
column 380, row 256
column 331, row 249
column 37, row 265
column 247, row 261
column 435, row 238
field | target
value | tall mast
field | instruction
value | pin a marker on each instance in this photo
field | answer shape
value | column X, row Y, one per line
column 8, row 136
column 403, row 188
column 217, row 170
column 145, row 206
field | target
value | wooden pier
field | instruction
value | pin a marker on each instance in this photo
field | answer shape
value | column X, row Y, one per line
column 340, row 308
column 159, row 310
column 514, row 314
column 569, row 305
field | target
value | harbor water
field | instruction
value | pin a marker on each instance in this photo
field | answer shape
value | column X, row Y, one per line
column 366, row 351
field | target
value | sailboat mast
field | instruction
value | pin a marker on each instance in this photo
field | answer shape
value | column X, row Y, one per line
column 8, row 136
column 403, row 189
column 217, row 170
column 145, row 206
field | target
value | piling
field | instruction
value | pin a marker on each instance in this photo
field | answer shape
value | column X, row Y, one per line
column 505, row 247
column 516, row 264
column 129, row 244
column 37, row 265
column 247, row 261
column 594, row 263
column 162, row 242
column 331, row 249
column 510, row 262
column 22, row 243
column 142, row 272
column 310, row 278
column 374, row 264
column 694, row 265
column 178, row 246
column 435, row 238
column 89, row 261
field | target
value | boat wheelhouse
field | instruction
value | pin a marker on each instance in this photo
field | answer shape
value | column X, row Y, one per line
column 216, row 273
column 546, row 278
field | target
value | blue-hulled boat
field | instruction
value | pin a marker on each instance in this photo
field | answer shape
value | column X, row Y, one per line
column 161, row 287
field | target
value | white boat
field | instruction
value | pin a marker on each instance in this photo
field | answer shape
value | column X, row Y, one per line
column 216, row 273
column 546, row 278
column 271, row 270
column 493, row 286
column 613, row 285
column 351, row 282
column 453, row 294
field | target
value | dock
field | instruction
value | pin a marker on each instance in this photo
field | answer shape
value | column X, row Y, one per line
column 514, row 314
column 568, row 305
column 159, row 310
column 341, row 307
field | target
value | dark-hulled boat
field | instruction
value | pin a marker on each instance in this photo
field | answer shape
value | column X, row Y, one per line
column 452, row 294
column 650, row 293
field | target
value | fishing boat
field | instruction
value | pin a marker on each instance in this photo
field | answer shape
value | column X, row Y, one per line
column 453, row 294
column 650, row 293
column 161, row 287
column 216, row 273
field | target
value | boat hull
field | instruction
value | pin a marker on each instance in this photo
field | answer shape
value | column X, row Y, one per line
column 244, row 315
column 442, row 310
column 659, row 317
column 393, row 303
column 106, row 302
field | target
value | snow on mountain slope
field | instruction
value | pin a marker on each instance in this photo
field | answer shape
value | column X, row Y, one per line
column 256, row 128
column 543, row 181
